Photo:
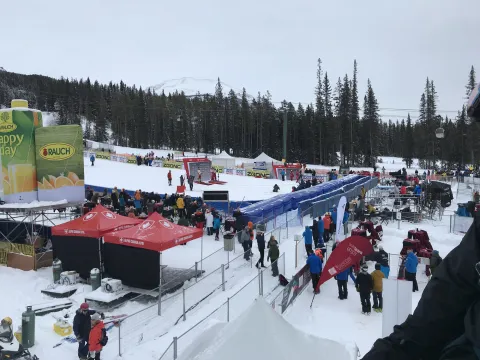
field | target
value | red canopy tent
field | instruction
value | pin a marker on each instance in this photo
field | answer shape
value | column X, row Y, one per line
column 95, row 224
column 77, row 243
column 155, row 233
column 134, row 255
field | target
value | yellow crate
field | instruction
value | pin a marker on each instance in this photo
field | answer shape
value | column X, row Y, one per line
column 62, row 328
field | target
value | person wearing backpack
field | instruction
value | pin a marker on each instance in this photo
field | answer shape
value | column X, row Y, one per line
column 98, row 338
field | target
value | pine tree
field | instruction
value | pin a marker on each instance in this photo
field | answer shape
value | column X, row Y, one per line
column 472, row 81
column 371, row 120
column 319, row 110
column 409, row 143
column 354, row 114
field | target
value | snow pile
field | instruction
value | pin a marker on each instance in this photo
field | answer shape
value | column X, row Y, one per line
column 33, row 204
column 260, row 333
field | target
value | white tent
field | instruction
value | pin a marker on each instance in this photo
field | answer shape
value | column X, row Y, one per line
column 261, row 333
column 223, row 159
column 266, row 158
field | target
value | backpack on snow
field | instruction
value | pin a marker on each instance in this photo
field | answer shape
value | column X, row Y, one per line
column 104, row 340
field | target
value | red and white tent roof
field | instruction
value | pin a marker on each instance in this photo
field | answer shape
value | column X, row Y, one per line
column 95, row 224
column 156, row 233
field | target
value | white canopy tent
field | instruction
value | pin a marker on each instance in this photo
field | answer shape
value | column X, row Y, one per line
column 266, row 158
column 261, row 333
column 223, row 159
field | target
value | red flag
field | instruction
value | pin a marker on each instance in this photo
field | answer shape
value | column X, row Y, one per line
column 345, row 255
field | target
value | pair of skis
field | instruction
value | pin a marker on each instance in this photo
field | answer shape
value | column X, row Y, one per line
column 110, row 322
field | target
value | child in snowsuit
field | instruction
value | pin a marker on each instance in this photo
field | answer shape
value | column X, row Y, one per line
column 364, row 285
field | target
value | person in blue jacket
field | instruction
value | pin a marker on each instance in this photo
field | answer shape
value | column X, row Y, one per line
column 411, row 264
column 342, row 279
column 333, row 225
column 418, row 190
column 216, row 226
column 308, row 237
column 316, row 265
column 282, row 173
column 92, row 159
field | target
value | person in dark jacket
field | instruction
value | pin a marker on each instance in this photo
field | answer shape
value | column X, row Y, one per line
column 315, row 264
column 182, row 180
column 445, row 312
column 81, row 328
column 342, row 279
column 92, row 159
column 364, row 285
column 244, row 240
column 383, row 260
column 261, row 248
column 314, row 228
column 435, row 260
column 273, row 255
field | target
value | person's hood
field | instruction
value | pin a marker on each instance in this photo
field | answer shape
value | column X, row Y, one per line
column 435, row 252
column 307, row 228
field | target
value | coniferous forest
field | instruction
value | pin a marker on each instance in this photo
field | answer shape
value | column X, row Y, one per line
column 343, row 120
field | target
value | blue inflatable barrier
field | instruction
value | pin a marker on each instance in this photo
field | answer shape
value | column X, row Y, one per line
column 268, row 209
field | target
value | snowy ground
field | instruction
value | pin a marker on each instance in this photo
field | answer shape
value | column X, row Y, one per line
column 148, row 340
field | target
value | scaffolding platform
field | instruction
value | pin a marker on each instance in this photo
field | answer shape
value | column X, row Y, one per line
column 172, row 280
column 61, row 291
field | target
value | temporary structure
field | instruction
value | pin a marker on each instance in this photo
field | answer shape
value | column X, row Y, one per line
column 77, row 243
column 261, row 333
column 134, row 255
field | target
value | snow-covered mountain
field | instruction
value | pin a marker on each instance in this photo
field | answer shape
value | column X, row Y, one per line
column 193, row 86
column 2, row 69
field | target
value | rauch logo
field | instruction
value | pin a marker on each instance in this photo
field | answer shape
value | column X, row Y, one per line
column 57, row 152
column 6, row 122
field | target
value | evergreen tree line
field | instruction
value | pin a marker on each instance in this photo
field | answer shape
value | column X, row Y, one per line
column 331, row 131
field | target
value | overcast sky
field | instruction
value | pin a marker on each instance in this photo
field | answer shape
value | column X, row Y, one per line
column 260, row 45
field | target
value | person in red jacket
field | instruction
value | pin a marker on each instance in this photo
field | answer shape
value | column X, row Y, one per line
column 169, row 177
column 96, row 336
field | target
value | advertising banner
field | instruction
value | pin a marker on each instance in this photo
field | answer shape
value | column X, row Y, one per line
column 17, row 151
column 230, row 171
column 295, row 287
column 347, row 253
column 172, row 164
column 218, row 168
column 119, row 158
column 103, row 155
column 240, row 172
column 340, row 235
column 59, row 156
column 259, row 173
column 260, row 165
column 157, row 163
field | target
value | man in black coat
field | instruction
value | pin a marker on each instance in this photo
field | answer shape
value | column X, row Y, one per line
column 364, row 285
column 261, row 248
column 440, row 316
column 81, row 328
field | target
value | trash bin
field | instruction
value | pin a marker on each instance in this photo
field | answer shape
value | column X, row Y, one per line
column 228, row 242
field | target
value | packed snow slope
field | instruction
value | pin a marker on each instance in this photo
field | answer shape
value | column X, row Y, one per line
column 109, row 174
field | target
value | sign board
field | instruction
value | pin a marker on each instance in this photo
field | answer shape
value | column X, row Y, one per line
column 260, row 165
column 60, row 174
column 221, row 195
column 399, row 215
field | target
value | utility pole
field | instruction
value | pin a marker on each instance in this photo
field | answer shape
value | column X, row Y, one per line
column 285, row 118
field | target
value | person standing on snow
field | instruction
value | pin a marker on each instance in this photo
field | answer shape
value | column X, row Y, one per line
column 244, row 239
column 92, row 159
column 377, row 278
column 97, row 338
column 308, row 237
column 182, row 180
column 315, row 264
column 273, row 255
column 315, row 234
column 282, row 173
column 435, row 260
column 411, row 264
column 327, row 220
column 216, row 227
column 81, row 328
column 383, row 260
column 342, row 279
column 169, row 177
column 364, row 285
column 209, row 223
column 191, row 179
column 199, row 174
column 261, row 248
column 181, row 207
